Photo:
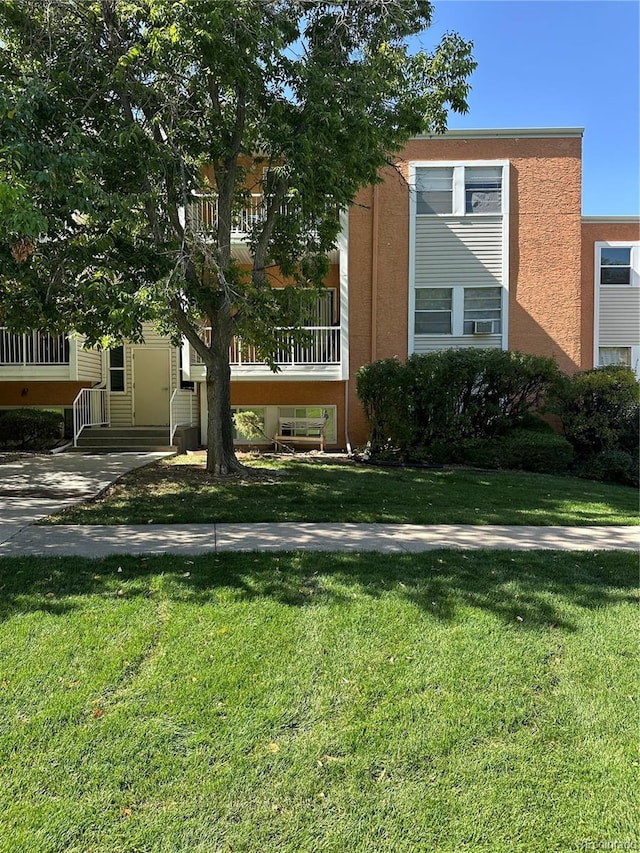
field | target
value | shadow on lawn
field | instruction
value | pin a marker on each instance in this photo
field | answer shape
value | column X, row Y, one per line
column 538, row 590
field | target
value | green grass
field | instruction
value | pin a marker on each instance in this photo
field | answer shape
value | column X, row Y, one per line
column 180, row 491
column 306, row 703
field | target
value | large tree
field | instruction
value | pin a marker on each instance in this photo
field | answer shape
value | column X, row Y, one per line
column 116, row 115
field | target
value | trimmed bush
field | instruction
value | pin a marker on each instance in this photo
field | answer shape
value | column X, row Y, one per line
column 444, row 397
column 616, row 466
column 599, row 410
column 30, row 429
column 524, row 449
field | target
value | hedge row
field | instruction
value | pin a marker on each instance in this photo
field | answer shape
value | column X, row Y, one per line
column 30, row 429
column 482, row 407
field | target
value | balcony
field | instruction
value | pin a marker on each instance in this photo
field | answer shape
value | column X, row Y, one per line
column 319, row 358
column 203, row 216
column 33, row 350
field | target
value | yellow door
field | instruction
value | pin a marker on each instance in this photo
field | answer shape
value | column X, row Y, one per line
column 151, row 382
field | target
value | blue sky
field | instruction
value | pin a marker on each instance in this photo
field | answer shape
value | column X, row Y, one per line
column 558, row 63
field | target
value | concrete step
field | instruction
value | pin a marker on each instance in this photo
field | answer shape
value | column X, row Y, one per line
column 110, row 439
column 124, row 448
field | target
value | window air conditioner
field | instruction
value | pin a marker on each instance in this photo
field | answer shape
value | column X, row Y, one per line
column 483, row 327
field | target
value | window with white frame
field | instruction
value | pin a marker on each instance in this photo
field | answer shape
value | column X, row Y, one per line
column 433, row 311
column 459, row 189
column 483, row 189
column 615, row 265
column 116, row 369
column 482, row 311
column 614, row 355
column 434, row 190
column 260, row 413
column 458, row 311
column 316, row 413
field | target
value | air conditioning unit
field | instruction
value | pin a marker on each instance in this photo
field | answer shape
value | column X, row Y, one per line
column 483, row 327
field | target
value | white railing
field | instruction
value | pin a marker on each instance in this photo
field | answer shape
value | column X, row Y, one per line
column 33, row 348
column 322, row 347
column 174, row 421
column 90, row 408
column 203, row 214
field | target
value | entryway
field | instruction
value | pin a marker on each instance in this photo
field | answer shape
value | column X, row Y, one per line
column 151, row 386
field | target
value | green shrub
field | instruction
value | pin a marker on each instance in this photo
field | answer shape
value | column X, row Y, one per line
column 599, row 409
column 442, row 397
column 30, row 429
column 524, row 449
column 612, row 465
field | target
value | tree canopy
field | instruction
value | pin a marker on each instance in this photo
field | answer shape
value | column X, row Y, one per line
column 116, row 115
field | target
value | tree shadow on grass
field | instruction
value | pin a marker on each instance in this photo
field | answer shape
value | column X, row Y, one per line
column 537, row 590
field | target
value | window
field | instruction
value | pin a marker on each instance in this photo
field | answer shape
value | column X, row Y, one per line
column 434, row 190
column 315, row 413
column 458, row 311
column 483, row 190
column 482, row 310
column 614, row 355
column 615, row 265
column 239, row 436
column 116, row 369
column 459, row 190
column 185, row 384
column 433, row 311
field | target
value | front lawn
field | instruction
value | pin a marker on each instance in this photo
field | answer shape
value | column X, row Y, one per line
column 310, row 703
column 179, row 490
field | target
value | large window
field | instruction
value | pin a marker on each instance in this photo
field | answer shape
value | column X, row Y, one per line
column 328, row 413
column 433, row 311
column 116, row 369
column 459, row 190
column 615, row 265
column 458, row 311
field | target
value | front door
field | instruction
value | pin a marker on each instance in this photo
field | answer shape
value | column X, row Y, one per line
column 151, row 383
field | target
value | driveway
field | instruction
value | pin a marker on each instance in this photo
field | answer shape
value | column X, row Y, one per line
column 32, row 487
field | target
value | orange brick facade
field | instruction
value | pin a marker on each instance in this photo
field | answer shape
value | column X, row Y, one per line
column 548, row 272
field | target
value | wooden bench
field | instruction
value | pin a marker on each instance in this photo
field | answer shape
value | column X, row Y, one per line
column 301, row 431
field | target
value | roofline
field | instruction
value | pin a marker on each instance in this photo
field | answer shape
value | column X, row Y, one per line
column 633, row 220
column 513, row 133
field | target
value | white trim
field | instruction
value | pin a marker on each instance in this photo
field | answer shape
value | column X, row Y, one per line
column 343, row 260
column 412, row 259
column 458, row 193
column 501, row 132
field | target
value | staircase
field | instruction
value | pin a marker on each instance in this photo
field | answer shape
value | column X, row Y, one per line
column 102, row 439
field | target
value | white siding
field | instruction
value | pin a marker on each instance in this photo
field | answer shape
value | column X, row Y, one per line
column 458, row 251
column 89, row 364
column 432, row 343
column 619, row 316
column 122, row 403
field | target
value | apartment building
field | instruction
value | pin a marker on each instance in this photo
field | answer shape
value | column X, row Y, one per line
column 472, row 239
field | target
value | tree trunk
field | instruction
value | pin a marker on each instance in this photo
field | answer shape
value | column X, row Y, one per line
column 221, row 456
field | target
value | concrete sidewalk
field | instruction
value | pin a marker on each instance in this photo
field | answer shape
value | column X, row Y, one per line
column 183, row 539
column 32, row 487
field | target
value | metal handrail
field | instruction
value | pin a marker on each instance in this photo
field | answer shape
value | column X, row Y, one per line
column 90, row 408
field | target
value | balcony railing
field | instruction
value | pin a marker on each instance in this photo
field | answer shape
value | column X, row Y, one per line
column 203, row 214
column 33, row 348
column 323, row 347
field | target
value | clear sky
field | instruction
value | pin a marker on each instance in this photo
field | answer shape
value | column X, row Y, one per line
column 558, row 63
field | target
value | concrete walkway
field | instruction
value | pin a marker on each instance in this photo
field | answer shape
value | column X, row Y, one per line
column 184, row 539
column 34, row 487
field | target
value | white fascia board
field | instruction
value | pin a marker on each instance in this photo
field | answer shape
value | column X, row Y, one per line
column 507, row 133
